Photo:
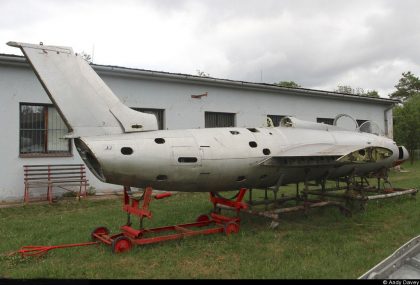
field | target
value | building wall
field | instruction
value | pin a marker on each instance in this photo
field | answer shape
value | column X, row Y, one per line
column 19, row 84
column 250, row 106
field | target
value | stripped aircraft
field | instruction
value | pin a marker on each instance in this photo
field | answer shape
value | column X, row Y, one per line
column 124, row 147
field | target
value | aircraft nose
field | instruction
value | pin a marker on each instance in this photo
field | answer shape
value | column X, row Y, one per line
column 406, row 155
column 403, row 155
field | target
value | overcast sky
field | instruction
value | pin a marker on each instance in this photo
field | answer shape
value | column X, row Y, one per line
column 318, row 44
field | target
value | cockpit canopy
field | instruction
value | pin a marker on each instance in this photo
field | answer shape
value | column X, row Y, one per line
column 341, row 122
column 370, row 127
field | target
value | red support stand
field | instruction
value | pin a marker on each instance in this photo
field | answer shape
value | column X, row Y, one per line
column 129, row 236
column 204, row 224
column 131, row 205
column 236, row 204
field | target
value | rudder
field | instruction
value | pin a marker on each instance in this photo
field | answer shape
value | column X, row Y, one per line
column 86, row 103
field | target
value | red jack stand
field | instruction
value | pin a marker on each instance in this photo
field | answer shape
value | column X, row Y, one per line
column 215, row 223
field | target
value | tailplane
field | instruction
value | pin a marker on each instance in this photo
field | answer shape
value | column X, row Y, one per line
column 86, row 103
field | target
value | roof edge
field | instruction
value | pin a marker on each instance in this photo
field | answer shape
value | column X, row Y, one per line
column 21, row 60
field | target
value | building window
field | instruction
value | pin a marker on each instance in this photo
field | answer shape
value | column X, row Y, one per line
column 328, row 121
column 366, row 128
column 360, row 122
column 159, row 113
column 275, row 119
column 219, row 120
column 42, row 131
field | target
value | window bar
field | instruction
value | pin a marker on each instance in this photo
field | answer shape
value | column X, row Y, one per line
column 45, row 109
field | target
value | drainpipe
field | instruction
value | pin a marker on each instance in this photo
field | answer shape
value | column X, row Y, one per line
column 386, row 120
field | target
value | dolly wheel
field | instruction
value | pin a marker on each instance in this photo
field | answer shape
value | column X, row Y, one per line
column 121, row 244
column 202, row 218
column 99, row 231
column 231, row 227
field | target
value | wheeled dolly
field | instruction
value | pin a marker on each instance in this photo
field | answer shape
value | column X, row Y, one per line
column 204, row 224
column 129, row 236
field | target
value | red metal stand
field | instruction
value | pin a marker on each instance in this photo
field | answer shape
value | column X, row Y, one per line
column 129, row 236
column 236, row 204
column 204, row 224
column 38, row 250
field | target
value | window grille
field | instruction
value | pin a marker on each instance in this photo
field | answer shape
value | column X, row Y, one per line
column 276, row 119
column 219, row 120
column 42, row 130
column 328, row 121
column 159, row 113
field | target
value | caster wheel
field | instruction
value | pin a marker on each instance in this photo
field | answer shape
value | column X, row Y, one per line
column 99, row 231
column 121, row 244
column 231, row 228
column 202, row 218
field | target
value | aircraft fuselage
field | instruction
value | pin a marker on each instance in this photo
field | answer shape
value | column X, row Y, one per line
column 227, row 158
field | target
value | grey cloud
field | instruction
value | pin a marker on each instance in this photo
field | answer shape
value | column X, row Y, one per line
column 315, row 43
column 317, row 40
column 14, row 16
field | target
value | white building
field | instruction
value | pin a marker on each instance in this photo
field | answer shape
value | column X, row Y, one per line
column 32, row 129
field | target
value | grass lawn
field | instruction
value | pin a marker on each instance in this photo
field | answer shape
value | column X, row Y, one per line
column 323, row 244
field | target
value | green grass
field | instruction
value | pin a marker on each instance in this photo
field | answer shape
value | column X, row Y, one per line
column 323, row 244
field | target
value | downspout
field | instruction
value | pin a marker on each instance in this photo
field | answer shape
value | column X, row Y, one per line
column 386, row 120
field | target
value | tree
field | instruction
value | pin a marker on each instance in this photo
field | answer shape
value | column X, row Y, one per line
column 407, row 125
column 407, row 87
column 202, row 73
column 86, row 56
column 345, row 89
column 356, row 91
column 291, row 84
column 372, row 93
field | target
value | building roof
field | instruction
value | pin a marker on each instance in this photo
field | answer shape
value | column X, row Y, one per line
column 162, row 75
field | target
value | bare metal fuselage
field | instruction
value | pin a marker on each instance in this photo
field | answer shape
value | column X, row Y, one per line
column 227, row 158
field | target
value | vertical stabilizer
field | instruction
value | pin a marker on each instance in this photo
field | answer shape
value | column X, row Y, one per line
column 86, row 103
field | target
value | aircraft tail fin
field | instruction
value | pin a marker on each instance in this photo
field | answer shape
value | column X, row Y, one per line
column 86, row 103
